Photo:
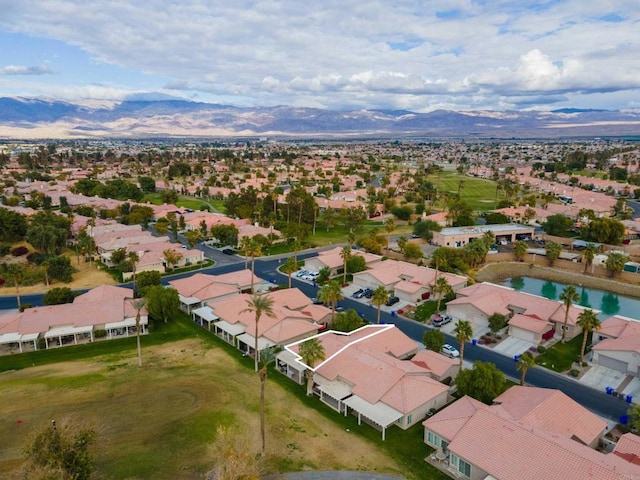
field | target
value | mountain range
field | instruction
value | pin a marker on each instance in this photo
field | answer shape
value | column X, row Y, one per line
column 26, row 118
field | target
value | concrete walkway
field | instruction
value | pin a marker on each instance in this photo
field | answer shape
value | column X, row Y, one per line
column 332, row 475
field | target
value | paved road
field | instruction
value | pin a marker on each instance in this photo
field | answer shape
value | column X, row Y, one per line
column 266, row 268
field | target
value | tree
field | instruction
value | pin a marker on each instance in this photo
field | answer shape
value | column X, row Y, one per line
column 525, row 361
column 324, row 274
column 380, row 297
column 604, row 230
column 569, row 296
column 634, row 417
column 483, row 381
column 311, row 351
column 425, row 228
column 520, row 250
column 192, row 237
column 588, row 321
column 331, row 294
column 16, row 273
column 389, row 226
column 497, row 322
column 412, row 250
column 441, row 288
column 171, row 257
column 615, row 263
column 60, row 451
column 245, row 248
column 347, row 321
column 133, row 258
column 138, row 304
column 463, row 333
column 433, row 340
column 552, row 251
column 345, row 254
column 162, row 303
column 588, row 254
column 58, row 296
column 233, row 458
column 267, row 357
column 352, row 218
column 557, row 225
column 289, row 267
column 60, row 268
column 255, row 250
column 260, row 304
column 147, row 279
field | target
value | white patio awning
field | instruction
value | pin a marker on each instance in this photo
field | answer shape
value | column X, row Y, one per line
column 30, row 337
column 128, row 322
column 334, row 388
column 188, row 300
column 206, row 313
column 249, row 340
column 289, row 358
column 65, row 330
column 380, row 413
column 10, row 337
column 232, row 329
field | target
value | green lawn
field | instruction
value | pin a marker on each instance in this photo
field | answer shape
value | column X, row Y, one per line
column 159, row 421
column 561, row 356
column 479, row 193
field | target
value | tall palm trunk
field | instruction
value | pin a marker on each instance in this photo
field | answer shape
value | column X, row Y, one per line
column 138, row 339
column 263, row 381
column 18, row 294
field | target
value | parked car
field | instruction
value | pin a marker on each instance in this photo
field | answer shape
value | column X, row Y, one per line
column 392, row 301
column 450, row 351
column 440, row 320
column 316, row 301
column 301, row 273
column 339, row 308
column 358, row 293
column 228, row 251
column 367, row 293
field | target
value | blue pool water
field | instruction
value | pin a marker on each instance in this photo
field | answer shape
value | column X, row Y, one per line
column 608, row 303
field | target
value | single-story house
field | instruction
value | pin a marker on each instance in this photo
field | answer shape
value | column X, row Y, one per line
column 616, row 345
column 440, row 366
column 457, row 237
column 332, row 259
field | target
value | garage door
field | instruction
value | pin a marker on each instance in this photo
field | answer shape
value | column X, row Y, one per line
column 523, row 334
column 612, row 363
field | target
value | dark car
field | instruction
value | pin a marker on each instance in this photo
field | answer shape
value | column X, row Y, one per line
column 228, row 251
column 358, row 293
column 367, row 293
column 392, row 301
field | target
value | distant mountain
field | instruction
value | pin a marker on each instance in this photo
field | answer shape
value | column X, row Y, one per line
column 163, row 116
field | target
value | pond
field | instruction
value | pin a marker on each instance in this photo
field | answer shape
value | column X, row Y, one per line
column 608, row 303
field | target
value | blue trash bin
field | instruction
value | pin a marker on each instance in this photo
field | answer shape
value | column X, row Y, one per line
column 609, row 390
column 474, row 341
column 629, row 398
column 624, row 419
column 393, row 313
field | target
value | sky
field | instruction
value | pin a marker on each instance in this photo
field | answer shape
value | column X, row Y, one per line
column 418, row 55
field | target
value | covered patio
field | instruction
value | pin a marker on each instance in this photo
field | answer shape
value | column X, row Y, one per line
column 246, row 343
column 68, row 334
column 125, row 328
column 287, row 365
column 204, row 317
column 188, row 304
column 332, row 392
column 11, row 342
column 379, row 416
column 228, row 331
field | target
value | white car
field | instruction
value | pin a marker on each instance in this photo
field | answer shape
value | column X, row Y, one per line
column 450, row 351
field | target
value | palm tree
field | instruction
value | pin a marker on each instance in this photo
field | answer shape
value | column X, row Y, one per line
column 138, row 304
column 245, row 247
column 255, row 250
column 588, row 255
column 268, row 356
column 330, row 293
column 525, row 361
column 589, row 322
column 260, row 304
column 569, row 296
column 464, row 333
column 440, row 288
column 520, row 250
column 15, row 273
column 134, row 258
column 311, row 351
column 380, row 297
column 389, row 226
column 288, row 267
column 553, row 251
column 345, row 254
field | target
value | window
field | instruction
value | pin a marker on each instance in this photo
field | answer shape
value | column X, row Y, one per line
column 409, row 419
column 434, row 439
column 461, row 466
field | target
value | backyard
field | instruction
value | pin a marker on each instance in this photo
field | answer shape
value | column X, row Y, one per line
column 159, row 421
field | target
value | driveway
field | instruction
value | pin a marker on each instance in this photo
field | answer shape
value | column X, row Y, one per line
column 600, row 378
column 633, row 389
column 512, row 346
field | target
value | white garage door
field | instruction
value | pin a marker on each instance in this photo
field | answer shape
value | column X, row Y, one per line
column 613, row 363
column 523, row 334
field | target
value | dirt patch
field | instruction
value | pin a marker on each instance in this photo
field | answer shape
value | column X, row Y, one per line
column 498, row 272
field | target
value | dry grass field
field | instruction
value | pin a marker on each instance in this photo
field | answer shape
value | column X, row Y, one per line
column 159, row 421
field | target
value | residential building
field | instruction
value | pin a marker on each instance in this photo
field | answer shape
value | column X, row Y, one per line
column 616, row 345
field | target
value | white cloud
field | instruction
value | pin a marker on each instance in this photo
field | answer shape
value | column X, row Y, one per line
column 24, row 70
column 349, row 53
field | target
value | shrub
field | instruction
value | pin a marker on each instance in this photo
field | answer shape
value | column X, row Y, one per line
column 574, row 373
column 4, row 250
column 541, row 349
column 24, row 306
column 19, row 251
column 100, row 333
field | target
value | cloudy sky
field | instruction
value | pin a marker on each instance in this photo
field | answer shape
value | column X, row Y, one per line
column 419, row 55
